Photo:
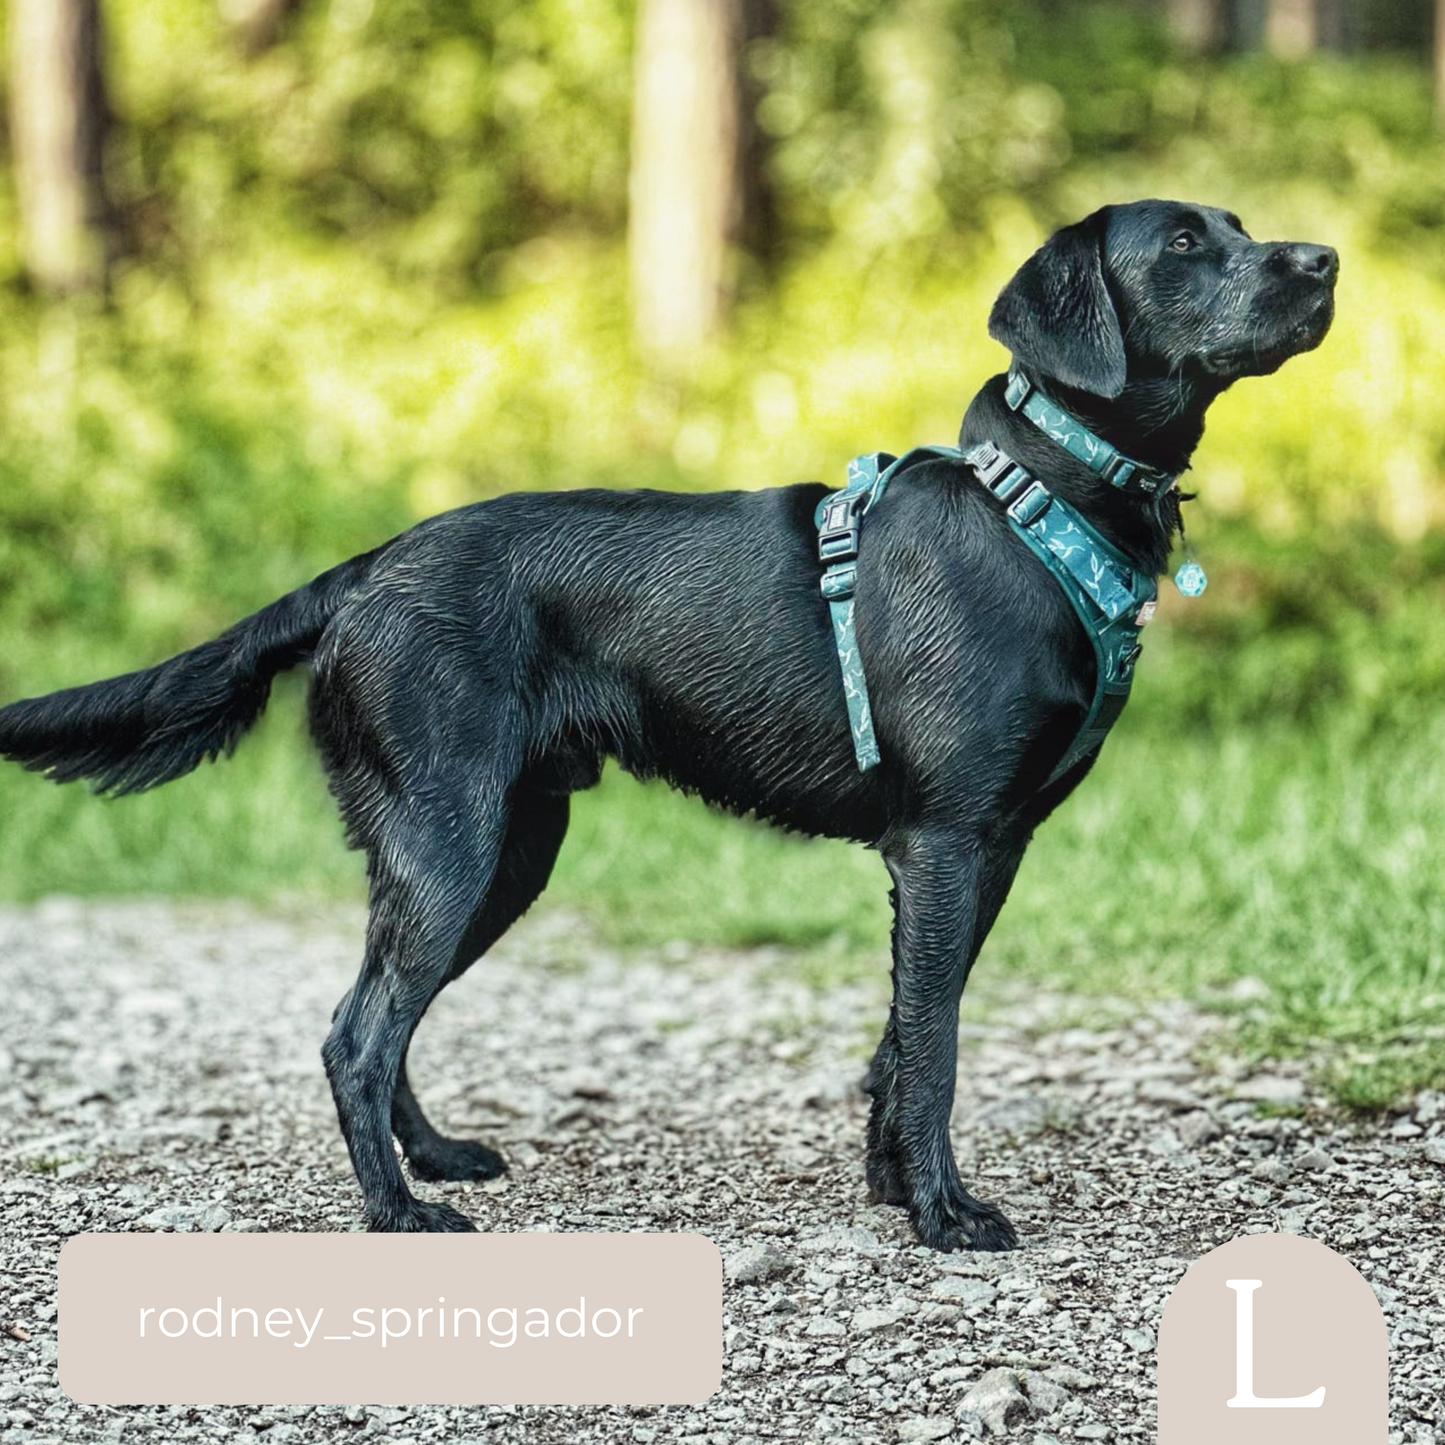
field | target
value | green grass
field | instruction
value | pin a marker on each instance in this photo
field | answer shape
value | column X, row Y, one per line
column 1302, row 854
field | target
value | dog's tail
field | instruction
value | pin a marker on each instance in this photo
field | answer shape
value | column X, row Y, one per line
column 146, row 728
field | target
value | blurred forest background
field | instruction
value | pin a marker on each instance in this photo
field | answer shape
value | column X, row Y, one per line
column 279, row 277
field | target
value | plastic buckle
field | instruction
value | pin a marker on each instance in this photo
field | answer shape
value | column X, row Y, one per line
column 1013, row 485
column 840, row 582
column 989, row 463
column 838, row 531
column 1118, row 470
column 1031, row 504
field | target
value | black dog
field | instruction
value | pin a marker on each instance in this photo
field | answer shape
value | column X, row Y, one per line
column 473, row 672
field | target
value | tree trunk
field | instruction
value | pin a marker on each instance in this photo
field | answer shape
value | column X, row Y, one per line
column 58, row 121
column 1440, row 60
column 686, row 193
column 1292, row 28
column 1199, row 25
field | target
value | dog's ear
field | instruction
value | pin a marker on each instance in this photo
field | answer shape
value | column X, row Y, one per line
column 1056, row 316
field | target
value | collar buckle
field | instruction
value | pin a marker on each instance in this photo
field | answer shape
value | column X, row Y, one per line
column 1061, row 426
column 838, row 529
column 1119, row 470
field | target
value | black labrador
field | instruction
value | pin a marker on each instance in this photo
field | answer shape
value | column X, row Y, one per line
column 472, row 673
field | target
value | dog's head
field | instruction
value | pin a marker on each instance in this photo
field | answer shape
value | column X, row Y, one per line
column 1164, row 289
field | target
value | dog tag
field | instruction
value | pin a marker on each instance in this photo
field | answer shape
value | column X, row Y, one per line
column 1190, row 579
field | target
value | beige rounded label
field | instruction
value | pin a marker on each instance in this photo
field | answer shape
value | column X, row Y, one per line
column 395, row 1319
column 1273, row 1338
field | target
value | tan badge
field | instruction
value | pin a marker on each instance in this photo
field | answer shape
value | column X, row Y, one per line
column 1273, row 1338
column 397, row 1319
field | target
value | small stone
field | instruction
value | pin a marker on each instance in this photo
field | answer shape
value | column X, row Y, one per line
column 1018, row 1282
column 1271, row 1089
column 1313, row 1160
column 214, row 1219
column 1071, row 1378
column 868, row 1322
column 848, row 1238
column 1197, row 1128
column 1161, row 1091
column 824, row 1327
column 179, row 1217
column 970, row 1293
column 998, row 1401
column 1093, row 1432
column 1141, row 1341
column 950, row 1375
column 583, row 1085
column 1435, row 1149
column 1045, row 1395
column 1429, row 1106
column 353, row 1414
column 1019, row 1117
column 759, row 1262
column 1272, row 1171
column 925, row 1427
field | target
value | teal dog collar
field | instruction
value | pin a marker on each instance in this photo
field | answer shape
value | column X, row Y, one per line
column 1024, row 397
column 1111, row 597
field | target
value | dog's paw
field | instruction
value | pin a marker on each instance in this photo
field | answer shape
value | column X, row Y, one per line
column 423, row 1218
column 456, row 1161
column 885, row 1180
column 957, row 1221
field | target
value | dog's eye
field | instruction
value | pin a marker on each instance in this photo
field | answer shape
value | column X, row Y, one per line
column 1183, row 242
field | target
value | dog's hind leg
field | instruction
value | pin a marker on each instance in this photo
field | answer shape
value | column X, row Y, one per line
column 534, row 835
column 431, row 861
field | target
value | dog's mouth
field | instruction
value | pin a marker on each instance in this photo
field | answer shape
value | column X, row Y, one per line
column 1296, row 334
column 1314, row 325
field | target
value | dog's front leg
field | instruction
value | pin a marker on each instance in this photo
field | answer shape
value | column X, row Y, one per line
column 938, row 875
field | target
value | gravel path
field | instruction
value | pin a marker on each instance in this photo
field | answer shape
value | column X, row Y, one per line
column 159, row 1067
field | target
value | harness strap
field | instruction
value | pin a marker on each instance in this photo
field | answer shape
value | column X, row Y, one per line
column 838, row 517
column 1111, row 599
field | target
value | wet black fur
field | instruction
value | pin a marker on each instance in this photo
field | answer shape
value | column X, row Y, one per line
column 472, row 673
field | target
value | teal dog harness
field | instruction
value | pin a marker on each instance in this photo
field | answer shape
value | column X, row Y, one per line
column 1112, row 599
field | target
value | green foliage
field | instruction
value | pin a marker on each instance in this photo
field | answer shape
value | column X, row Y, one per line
column 378, row 271
column 426, row 135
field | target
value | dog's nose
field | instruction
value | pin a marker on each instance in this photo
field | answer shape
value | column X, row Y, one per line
column 1321, row 263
